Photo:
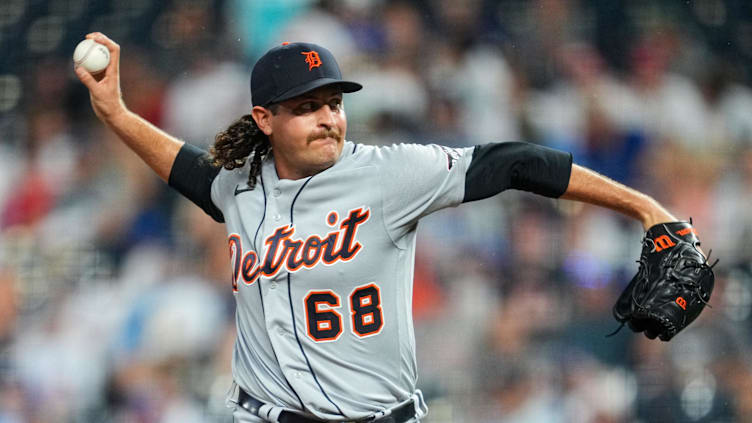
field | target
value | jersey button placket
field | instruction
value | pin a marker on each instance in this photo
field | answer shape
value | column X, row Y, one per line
column 273, row 224
column 273, row 207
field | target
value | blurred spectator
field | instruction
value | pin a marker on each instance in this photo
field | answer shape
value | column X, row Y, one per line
column 207, row 96
column 732, row 197
column 728, row 101
column 144, row 85
column 47, row 170
column 318, row 24
column 597, row 130
column 395, row 99
column 666, row 104
column 206, row 100
column 257, row 23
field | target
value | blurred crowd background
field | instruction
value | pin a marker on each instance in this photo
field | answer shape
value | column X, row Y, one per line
column 115, row 295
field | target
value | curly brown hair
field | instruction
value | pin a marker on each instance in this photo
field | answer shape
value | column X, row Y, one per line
column 233, row 146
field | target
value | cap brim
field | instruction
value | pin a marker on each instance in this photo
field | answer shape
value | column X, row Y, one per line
column 346, row 86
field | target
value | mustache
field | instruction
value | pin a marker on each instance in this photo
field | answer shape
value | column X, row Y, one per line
column 326, row 133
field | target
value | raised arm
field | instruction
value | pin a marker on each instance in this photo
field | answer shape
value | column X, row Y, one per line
column 590, row 187
column 155, row 147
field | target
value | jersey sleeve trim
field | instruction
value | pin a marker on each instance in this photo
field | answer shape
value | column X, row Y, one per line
column 517, row 165
column 192, row 175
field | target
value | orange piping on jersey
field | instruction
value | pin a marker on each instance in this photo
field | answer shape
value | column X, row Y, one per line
column 283, row 250
column 327, row 245
column 292, row 248
column 328, row 307
column 274, row 257
column 312, row 245
column 236, row 251
column 250, row 269
column 332, row 218
column 353, row 313
column 350, row 246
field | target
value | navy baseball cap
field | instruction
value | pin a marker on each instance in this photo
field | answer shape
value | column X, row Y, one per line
column 292, row 69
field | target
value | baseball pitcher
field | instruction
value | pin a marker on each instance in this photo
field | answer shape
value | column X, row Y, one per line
column 321, row 233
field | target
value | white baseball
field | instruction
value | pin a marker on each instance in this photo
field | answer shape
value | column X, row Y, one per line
column 94, row 57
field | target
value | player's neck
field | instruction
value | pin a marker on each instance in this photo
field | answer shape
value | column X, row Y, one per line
column 285, row 171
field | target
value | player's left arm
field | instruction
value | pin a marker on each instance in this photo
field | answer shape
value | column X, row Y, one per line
column 551, row 173
column 590, row 187
column 674, row 281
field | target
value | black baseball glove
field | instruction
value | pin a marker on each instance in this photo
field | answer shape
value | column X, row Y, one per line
column 672, row 285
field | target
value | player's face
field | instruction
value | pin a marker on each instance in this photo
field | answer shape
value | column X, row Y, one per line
column 307, row 132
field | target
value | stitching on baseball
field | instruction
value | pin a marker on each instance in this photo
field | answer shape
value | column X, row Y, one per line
column 88, row 51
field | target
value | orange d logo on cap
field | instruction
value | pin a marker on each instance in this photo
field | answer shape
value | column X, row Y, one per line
column 312, row 58
column 281, row 73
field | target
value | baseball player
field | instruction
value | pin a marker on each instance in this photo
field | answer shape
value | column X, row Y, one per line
column 322, row 232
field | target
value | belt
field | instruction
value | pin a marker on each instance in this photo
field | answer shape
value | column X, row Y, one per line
column 401, row 414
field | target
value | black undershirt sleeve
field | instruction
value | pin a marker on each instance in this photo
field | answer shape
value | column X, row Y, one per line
column 192, row 176
column 517, row 165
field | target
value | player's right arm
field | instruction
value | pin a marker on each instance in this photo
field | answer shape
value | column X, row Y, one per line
column 155, row 147
column 181, row 165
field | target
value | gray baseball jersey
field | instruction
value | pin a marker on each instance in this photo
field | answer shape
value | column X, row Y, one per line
column 323, row 273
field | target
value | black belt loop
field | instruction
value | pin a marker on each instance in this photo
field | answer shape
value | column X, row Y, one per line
column 401, row 414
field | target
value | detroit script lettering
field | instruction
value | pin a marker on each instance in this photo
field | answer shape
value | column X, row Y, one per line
column 283, row 250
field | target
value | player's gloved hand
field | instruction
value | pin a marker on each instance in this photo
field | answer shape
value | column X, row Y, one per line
column 672, row 285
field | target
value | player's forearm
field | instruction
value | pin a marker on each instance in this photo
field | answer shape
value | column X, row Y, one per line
column 155, row 147
column 590, row 187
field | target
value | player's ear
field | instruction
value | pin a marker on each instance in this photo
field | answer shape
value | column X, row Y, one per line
column 263, row 117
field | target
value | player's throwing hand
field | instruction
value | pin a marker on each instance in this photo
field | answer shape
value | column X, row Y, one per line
column 104, row 88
